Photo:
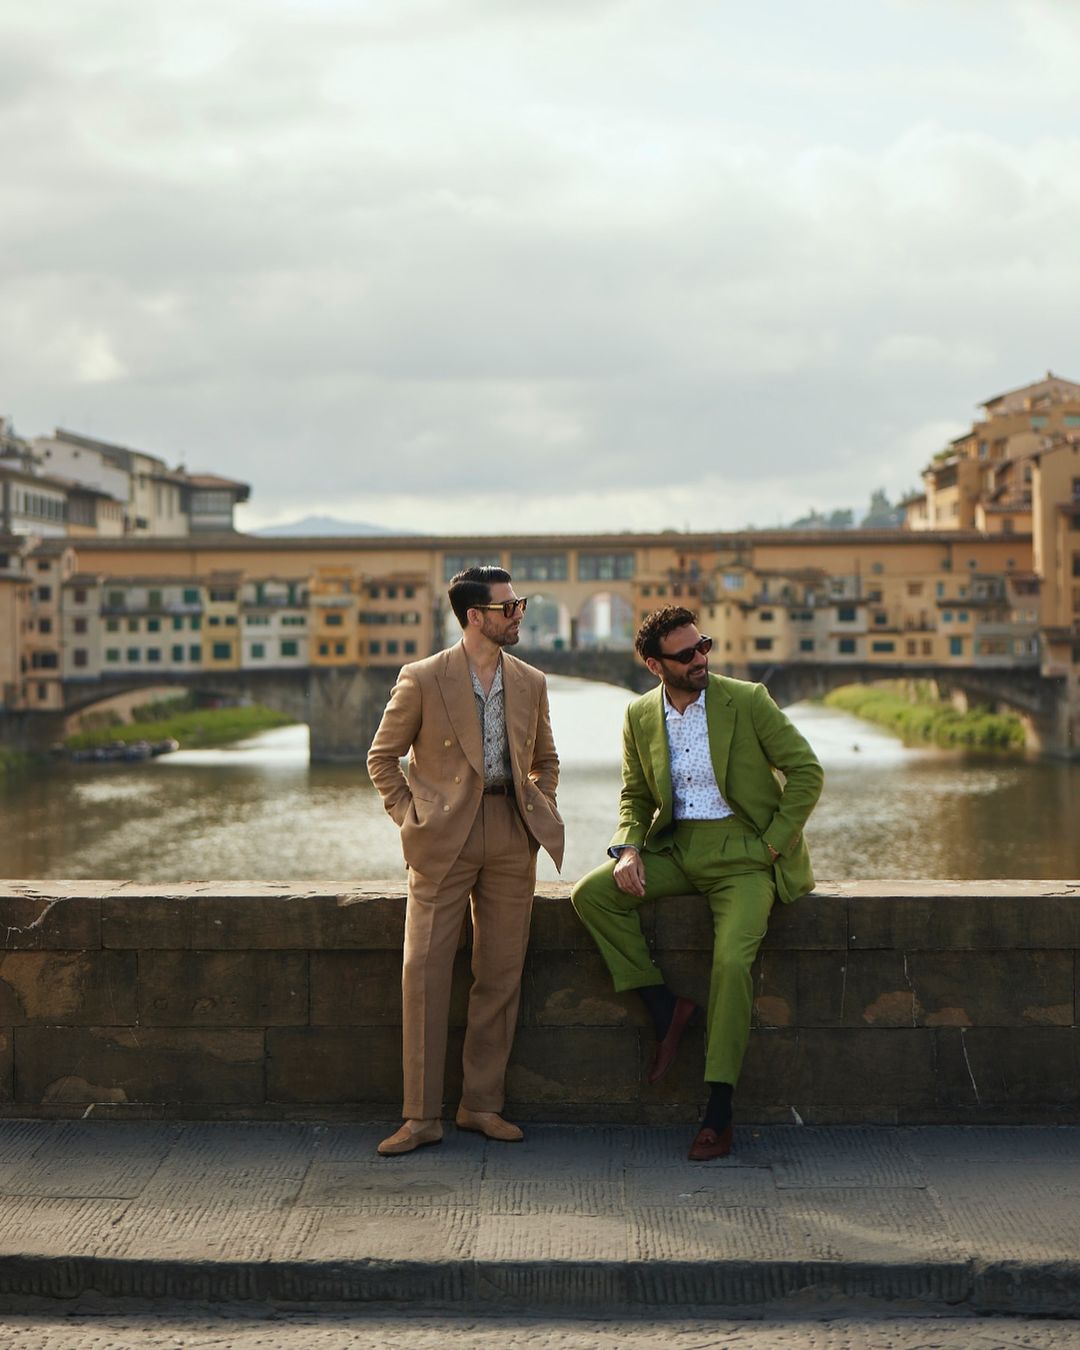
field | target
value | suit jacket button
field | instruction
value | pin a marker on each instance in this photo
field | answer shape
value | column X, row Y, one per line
column 528, row 806
column 446, row 807
column 457, row 778
column 448, row 743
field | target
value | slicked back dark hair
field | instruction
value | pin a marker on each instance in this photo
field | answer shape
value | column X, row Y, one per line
column 473, row 587
column 657, row 625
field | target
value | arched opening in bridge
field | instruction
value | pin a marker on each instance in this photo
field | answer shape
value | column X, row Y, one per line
column 546, row 626
column 606, row 620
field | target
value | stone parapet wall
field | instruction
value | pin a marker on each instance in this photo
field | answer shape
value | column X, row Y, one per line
column 885, row 1002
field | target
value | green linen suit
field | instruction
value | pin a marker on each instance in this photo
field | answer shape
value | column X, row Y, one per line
column 727, row 861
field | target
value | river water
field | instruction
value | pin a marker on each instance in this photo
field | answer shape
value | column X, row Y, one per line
column 260, row 811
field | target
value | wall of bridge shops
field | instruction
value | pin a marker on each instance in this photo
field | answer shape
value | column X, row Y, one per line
column 884, row 1002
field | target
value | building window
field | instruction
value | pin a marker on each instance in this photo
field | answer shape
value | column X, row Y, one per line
column 539, row 567
column 214, row 620
column 153, row 654
column 806, row 644
column 133, row 656
column 962, row 616
column 605, row 566
column 44, row 593
column 883, row 646
column 290, row 647
column 911, row 646
column 881, row 618
column 324, row 649
column 845, row 613
column 258, row 650
column 333, row 619
column 133, row 625
column 410, row 647
column 221, row 651
column 914, row 588
column 112, row 625
column 392, row 647
column 765, row 615
column 178, row 652
column 153, row 625
column 846, row 646
column 946, row 616
column 375, row 648
column 79, row 625
column 453, row 563
column 409, row 592
column 112, row 655
column 222, row 594
column 80, row 596
column 44, row 625
column 339, row 649
column 196, row 622
column 195, row 651
column 191, row 596
column 178, row 622
column 115, row 600
column 80, row 656
column 153, row 600
column 763, row 644
column 956, row 646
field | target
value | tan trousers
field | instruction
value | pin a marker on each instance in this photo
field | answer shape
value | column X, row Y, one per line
column 497, row 869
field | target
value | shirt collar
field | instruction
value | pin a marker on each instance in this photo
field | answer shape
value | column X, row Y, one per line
column 671, row 711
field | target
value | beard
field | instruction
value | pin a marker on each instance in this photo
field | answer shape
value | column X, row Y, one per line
column 688, row 682
column 502, row 633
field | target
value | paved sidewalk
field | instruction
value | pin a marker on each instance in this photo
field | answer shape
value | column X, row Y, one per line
column 597, row 1220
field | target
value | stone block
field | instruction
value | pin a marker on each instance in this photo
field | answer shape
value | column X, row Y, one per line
column 7, row 1064
column 1008, row 1066
column 121, row 1064
column 579, row 1064
column 50, row 921
column 855, row 989
column 363, row 989
column 864, row 1068
column 299, row 922
column 965, row 922
column 571, row 989
column 775, row 983
column 993, row 988
column 555, row 925
column 814, row 922
column 91, row 988
column 222, row 989
column 334, row 1064
column 141, row 921
column 771, row 1073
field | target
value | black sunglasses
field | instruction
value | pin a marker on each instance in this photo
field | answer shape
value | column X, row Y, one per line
column 704, row 646
column 509, row 607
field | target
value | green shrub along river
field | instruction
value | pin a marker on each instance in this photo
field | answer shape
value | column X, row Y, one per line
column 929, row 722
column 194, row 728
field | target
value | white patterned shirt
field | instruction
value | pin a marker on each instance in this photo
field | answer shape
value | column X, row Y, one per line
column 693, row 780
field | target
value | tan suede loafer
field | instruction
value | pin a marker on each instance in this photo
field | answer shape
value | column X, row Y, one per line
column 489, row 1123
column 407, row 1138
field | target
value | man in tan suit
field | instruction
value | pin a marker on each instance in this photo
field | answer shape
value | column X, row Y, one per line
column 477, row 804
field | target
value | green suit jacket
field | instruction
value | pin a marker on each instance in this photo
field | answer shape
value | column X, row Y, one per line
column 749, row 739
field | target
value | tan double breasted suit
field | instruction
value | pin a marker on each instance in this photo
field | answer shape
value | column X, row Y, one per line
column 461, row 845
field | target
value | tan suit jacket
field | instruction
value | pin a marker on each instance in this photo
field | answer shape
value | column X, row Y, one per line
column 432, row 717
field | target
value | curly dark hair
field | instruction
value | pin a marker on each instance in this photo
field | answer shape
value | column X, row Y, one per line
column 658, row 625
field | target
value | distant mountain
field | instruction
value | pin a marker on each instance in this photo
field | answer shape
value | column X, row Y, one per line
column 312, row 526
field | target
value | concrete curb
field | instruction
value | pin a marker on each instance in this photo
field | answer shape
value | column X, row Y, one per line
column 1046, row 1289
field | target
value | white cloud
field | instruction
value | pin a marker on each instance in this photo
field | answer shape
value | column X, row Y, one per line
column 747, row 257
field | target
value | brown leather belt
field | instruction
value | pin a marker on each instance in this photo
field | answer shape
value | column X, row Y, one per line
column 500, row 790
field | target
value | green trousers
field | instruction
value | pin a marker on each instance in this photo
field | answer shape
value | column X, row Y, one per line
column 728, row 864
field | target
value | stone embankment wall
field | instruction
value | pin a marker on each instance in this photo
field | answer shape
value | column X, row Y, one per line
column 876, row 1002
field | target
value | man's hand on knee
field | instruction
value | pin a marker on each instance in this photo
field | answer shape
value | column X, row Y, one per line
column 629, row 872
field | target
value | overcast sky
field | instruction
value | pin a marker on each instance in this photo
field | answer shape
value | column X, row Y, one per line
column 505, row 265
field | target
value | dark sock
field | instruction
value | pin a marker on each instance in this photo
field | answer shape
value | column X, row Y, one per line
column 718, row 1109
column 660, row 1002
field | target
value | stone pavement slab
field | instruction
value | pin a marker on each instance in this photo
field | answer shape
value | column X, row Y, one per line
column 597, row 1220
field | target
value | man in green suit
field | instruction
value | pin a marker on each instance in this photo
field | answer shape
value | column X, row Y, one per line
column 701, row 809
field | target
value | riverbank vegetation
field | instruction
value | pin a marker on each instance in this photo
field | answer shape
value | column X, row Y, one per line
column 920, row 719
column 193, row 728
column 12, row 762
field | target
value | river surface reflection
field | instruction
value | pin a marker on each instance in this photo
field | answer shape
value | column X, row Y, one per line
column 260, row 811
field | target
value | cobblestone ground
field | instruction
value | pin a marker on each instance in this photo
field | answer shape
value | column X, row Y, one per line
column 358, row 1332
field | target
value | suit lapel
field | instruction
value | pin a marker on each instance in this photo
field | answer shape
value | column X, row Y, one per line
column 654, row 730
column 455, row 685
column 720, row 719
column 516, row 709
